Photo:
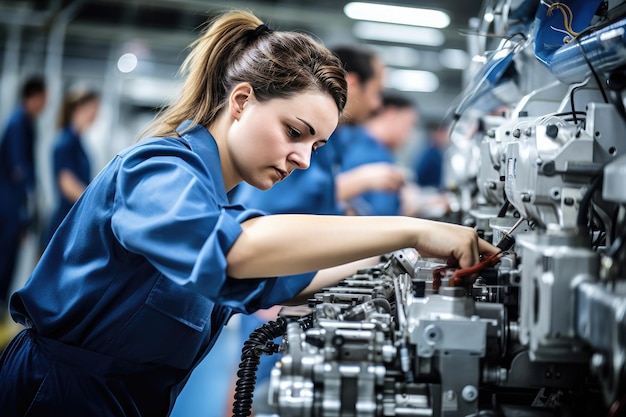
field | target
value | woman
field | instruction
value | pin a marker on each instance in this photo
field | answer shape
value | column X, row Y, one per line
column 140, row 278
column 72, row 170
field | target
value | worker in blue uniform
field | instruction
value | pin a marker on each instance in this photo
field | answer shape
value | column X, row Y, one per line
column 429, row 164
column 315, row 190
column 152, row 260
column 372, row 145
column 71, row 165
column 17, row 178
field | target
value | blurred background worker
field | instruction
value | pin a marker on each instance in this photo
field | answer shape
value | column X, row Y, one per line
column 314, row 190
column 371, row 154
column 71, row 165
column 427, row 196
column 429, row 163
column 17, row 179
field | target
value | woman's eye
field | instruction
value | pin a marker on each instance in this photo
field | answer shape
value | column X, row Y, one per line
column 294, row 133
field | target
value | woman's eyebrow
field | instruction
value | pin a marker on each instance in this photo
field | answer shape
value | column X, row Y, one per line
column 306, row 123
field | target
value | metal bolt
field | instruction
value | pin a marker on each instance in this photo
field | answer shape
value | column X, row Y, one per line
column 598, row 362
column 450, row 395
column 469, row 393
column 432, row 334
column 552, row 131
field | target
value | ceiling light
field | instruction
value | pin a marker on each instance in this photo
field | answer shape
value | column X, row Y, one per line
column 412, row 80
column 397, row 56
column 127, row 63
column 397, row 14
column 481, row 59
column 454, row 58
column 399, row 34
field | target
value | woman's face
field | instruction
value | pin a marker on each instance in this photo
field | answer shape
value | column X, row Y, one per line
column 271, row 139
column 86, row 114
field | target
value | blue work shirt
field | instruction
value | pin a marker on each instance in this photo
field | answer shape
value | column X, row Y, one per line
column 17, row 180
column 68, row 155
column 310, row 191
column 137, row 272
column 365, row 149
column 429, row 168
column 17, row 169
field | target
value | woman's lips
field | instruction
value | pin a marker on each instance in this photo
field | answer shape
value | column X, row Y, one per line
column 281, row 174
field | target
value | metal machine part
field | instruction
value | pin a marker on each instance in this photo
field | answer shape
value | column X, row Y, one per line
column 614, row 174
column 381, row 343
column 555, row 263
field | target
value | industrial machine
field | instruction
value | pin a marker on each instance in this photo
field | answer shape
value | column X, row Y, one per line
column 540, row 329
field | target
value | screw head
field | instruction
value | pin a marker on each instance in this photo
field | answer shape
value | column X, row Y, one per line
column 469, row 393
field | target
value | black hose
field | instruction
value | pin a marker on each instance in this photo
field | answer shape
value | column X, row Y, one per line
column 585, row 203
column 260, row 342
column 382, row 303
column 504, row 208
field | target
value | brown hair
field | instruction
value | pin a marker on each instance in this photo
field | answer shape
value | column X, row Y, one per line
column 75, row 97
column 233, row 50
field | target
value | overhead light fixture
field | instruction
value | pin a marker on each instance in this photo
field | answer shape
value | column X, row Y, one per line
column 412, row 80
column 387, row 32
column 397, row 56
column 481, row 59
column 127, row 62
column 397, row 14
column 454, row 58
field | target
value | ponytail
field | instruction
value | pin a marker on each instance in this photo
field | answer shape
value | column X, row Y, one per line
column 237, row 47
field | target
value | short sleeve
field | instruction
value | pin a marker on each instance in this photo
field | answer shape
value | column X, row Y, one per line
column 62, row 158
column 279, row 290
column 168, row 209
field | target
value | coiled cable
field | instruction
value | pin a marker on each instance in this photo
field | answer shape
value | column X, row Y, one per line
column 260, row 342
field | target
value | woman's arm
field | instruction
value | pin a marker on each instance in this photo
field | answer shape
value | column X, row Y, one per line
column 69, row 184
column 331, row 276
column 377, row 176
column 291, row 243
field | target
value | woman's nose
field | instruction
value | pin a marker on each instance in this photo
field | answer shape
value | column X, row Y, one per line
column 301, row 156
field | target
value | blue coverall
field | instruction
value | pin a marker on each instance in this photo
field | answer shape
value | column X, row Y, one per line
column 68, row 154
column 132, row 291
column 17, row 179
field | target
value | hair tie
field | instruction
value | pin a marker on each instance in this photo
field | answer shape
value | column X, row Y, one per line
column 260, row 30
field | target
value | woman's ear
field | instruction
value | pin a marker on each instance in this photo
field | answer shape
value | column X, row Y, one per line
column 353, row 81
column 240, row 96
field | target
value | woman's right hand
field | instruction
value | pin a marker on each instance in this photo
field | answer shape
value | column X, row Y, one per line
column 449, row 241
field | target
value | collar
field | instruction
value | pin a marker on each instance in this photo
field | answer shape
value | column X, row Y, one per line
column 203, row 143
